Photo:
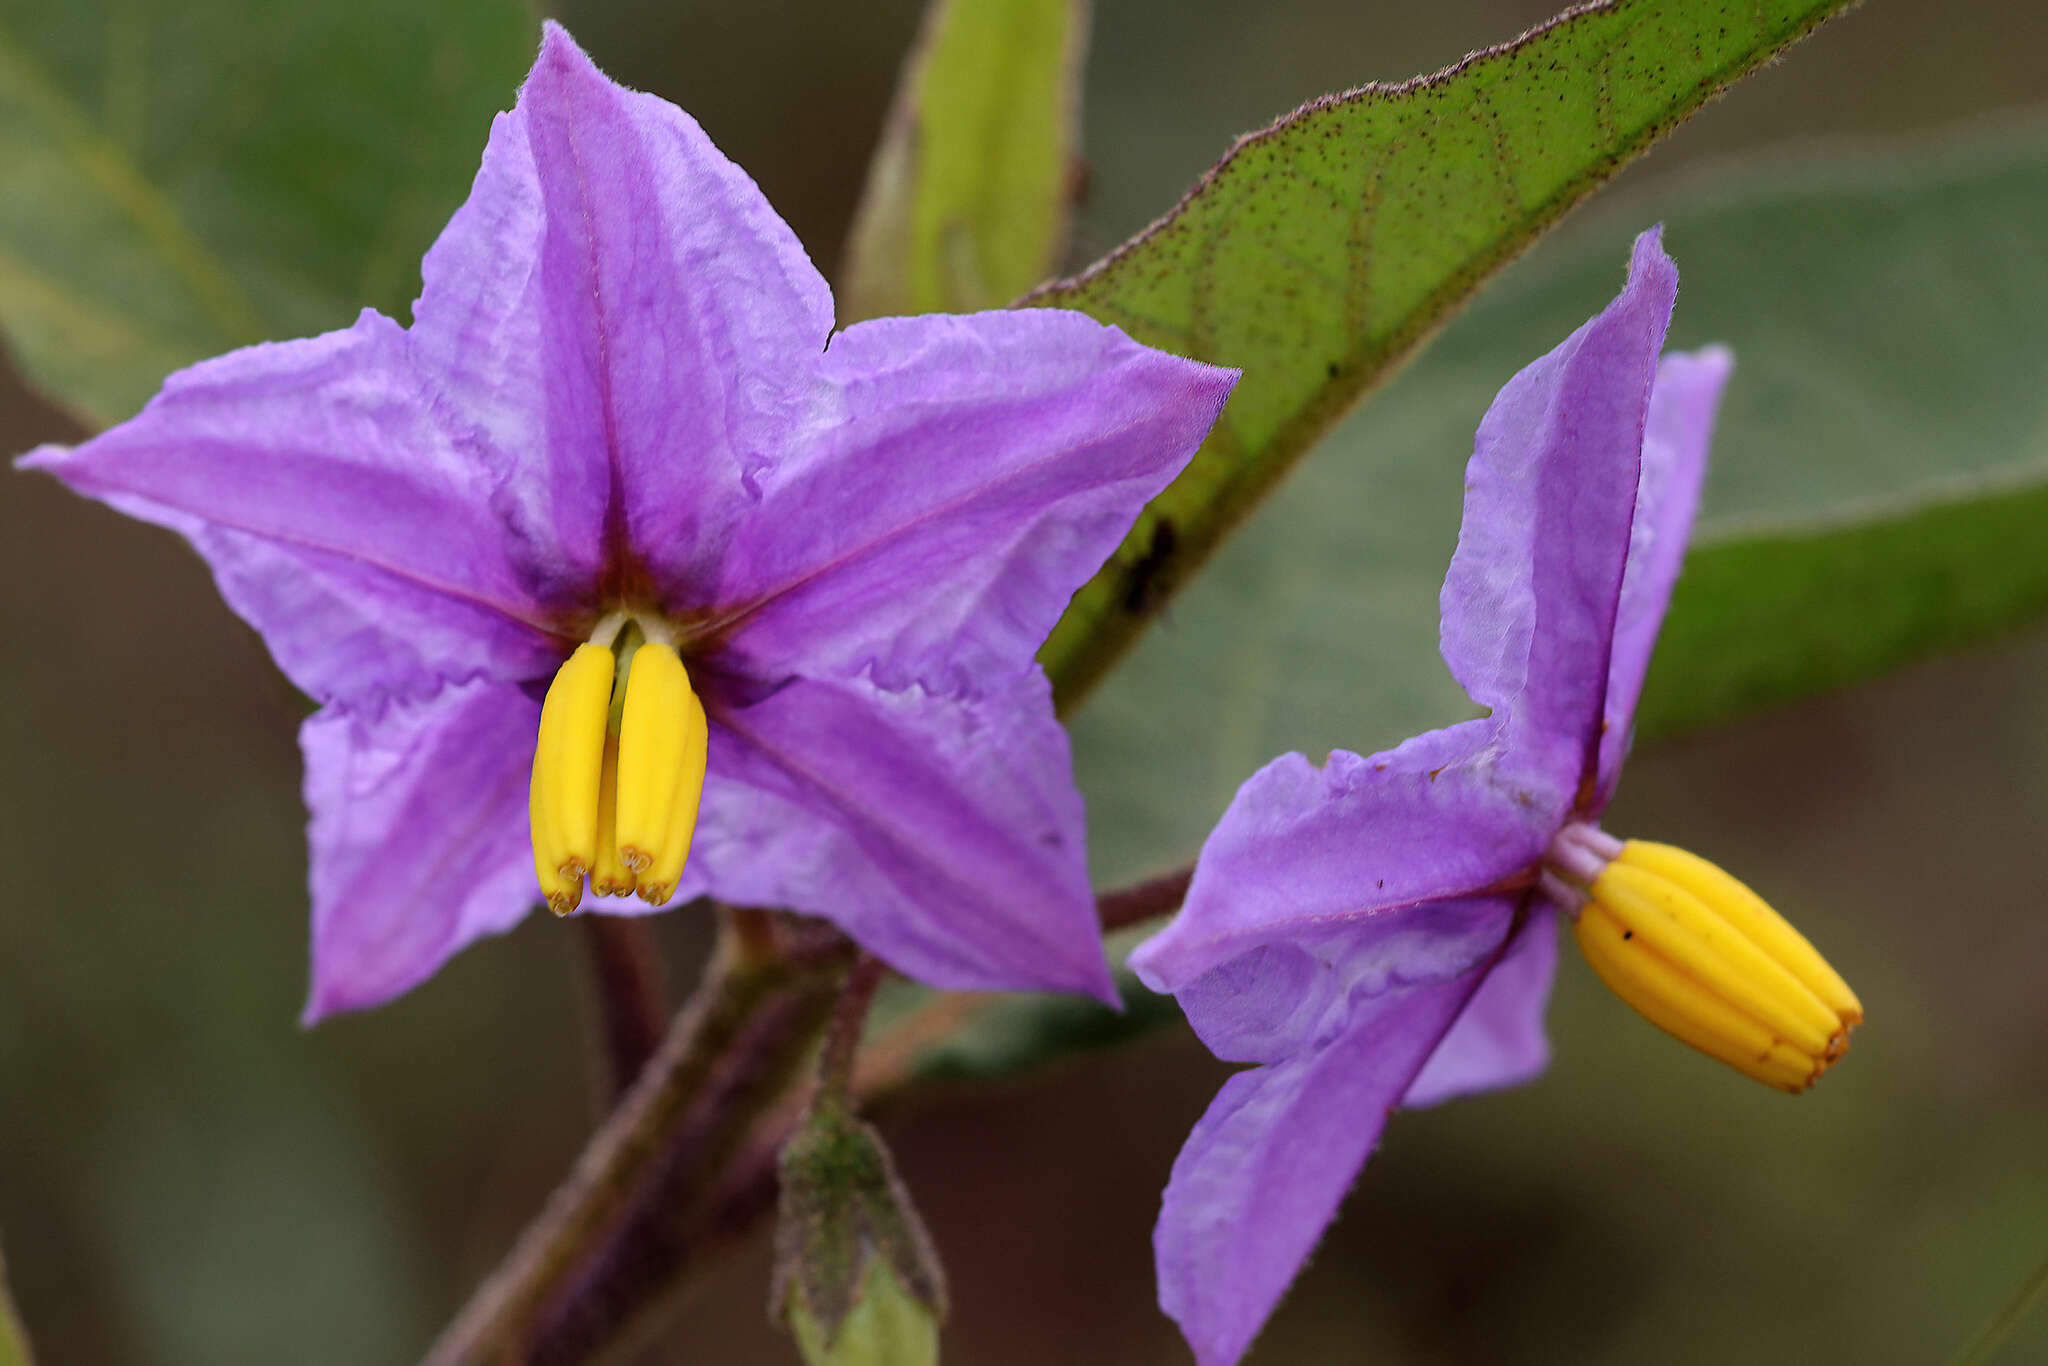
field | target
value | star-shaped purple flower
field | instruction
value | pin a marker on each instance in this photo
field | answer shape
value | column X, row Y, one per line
column 1378, row 931
column 622, row 393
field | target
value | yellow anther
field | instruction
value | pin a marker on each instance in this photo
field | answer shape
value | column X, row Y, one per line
column 568, row 773
column 1697, row 941
column 1752, row 916
column 1703, row 958
column 609, row 876
column 658, row 882
column 617, row 779
column 654, row 740
column 560, row 892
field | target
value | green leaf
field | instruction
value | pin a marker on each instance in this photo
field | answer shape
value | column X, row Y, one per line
column 966, row 201
column 179, row 180
column 1323, row 250
column 1771, row 615
column 1878, row 490
column 13, row 1337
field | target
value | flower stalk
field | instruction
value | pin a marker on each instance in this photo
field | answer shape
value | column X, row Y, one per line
column 842, row 1036
column 857, row 1281
column 680, row 1171
column 629, row 983
column 1143, row 901
column 587, row 1270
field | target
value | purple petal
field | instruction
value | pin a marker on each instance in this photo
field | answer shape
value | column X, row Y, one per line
column 1499, row 1038
column 954, row 482
column 1302, row 848
column 1265, row 1169
column 340, row 517
column 1681, row 427
column 1529, row 603
column 619, row 308
column 1267, row 1004
column 418, row 837
column 944, row 833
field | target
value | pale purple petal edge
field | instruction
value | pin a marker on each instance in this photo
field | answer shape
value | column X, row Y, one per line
column 1266, row 1167
column 943, row 833
column 341, row 516
column 1529, row 601
column 1683, row 406
column 1498, row 1039
column 1303, row 849
column 417, row 837
column 953, row 483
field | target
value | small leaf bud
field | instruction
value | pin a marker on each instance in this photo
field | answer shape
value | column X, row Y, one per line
column 856, row 1279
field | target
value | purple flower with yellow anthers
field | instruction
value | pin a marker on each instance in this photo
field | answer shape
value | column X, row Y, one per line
column 787, row 583
column 1377, row 931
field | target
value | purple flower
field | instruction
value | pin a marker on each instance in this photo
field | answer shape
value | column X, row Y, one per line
column 622, row 420
column 1378, row 931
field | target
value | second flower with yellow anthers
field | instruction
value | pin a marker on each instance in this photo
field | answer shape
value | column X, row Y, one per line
column 618, row 768
column 1374, row 930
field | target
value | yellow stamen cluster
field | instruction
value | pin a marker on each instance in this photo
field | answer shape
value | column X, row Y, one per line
column 1703, row 958
column 615, row 789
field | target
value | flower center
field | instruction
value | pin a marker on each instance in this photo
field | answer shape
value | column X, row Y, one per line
column 1701, row 956
column 619, row 767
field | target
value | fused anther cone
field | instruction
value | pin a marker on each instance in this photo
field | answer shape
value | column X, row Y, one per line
column 1704, row 959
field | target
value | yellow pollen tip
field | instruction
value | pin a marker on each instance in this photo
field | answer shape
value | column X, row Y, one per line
column 1706, row 960
column 658, row 881
column 568, row 775
column 662, row 742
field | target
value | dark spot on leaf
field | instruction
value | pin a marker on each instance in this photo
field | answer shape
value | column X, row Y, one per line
column 1628, row 934
column 1080, row 180
column 1146, row 582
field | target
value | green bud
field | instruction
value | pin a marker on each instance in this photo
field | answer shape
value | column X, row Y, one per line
column 887, row 1326
column 856, row 1279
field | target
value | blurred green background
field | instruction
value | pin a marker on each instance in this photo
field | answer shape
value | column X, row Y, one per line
column 186, row 1177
